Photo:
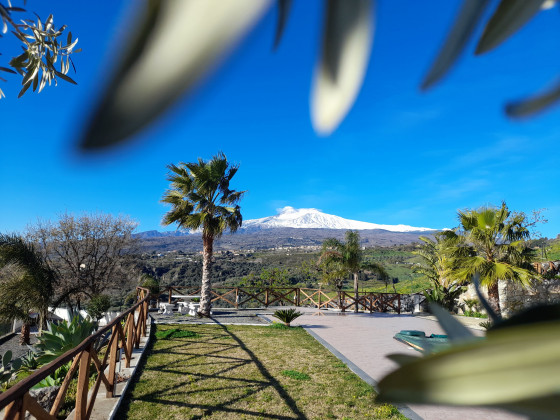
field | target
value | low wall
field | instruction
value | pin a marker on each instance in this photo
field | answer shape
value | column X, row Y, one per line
column 514, row 296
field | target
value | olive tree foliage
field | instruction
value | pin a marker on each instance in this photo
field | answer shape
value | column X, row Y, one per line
column 135, row 96
column 46, row 51
column 90, row 254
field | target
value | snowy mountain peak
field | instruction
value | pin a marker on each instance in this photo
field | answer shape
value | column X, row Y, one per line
column 289, row 217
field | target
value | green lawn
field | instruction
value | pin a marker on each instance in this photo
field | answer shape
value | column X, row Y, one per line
column 246, row 372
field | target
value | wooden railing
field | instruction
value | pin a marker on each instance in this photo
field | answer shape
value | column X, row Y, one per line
column 16, row 401
column 296, row 296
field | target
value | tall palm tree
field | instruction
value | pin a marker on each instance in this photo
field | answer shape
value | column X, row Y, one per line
column 26, row 283
column 201, row 199
column 494, row 247
column 349, row 257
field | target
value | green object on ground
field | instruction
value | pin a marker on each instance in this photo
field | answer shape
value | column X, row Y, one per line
column 176, row 333
column 418, row 340
column 294, row 374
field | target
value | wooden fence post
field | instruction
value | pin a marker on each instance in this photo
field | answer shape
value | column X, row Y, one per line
column 145, row 319
column 319, row 306
column 399, row 310
column 83, row 384
column 237, row 298
column 113, row 354
column 169, row 294
column 15, row 410
column 129, row 338
column 266, row 297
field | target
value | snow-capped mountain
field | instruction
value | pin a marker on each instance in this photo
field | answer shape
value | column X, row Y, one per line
column 289, row 217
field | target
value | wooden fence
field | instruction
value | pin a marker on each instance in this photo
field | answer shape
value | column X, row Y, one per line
column 17, row 402
column 297, row 296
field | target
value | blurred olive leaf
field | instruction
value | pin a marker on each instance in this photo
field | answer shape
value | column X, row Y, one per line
column 157, row 69
column 284, row 7
column 535, row 104
column 508, row 18
column 516, row 368
column 462, row 30
column 176, row 44
column 347, row 41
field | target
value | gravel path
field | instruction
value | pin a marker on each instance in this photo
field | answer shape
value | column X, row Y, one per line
column 13, row 344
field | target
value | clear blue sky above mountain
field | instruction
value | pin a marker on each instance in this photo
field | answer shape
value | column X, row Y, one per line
column 400, row 156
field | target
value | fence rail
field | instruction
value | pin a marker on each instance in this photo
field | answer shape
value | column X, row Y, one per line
column 296, row 296
column 16, row 401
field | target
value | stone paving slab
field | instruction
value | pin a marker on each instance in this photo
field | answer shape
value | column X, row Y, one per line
column 366, row 339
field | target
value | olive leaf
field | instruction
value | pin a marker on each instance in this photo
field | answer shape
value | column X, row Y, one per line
column 530, row 106
column 347, row 41
column 158, row 68
column 509, row 17
column 284, row 7
column 462, row 30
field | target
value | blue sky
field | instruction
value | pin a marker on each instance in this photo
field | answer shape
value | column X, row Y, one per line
column 400, row 156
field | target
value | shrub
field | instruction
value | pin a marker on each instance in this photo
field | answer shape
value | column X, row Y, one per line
column 287, row 315
column 475, row 314
column 152, row 285
column 444, row 296
column 97, row 306
column 471, row 304
column 56, row 378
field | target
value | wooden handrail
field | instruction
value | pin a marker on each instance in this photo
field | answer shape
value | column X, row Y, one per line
column 16, row 400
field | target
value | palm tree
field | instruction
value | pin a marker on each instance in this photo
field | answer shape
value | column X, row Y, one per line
column 26, row 283
column 436, row 265
column 201, row 199
column 494, row 247
column 348, row 257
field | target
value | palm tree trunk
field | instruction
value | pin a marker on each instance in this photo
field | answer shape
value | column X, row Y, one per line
column 24, row 337
column 494, row 298
column 205, row 291
column 356, row 293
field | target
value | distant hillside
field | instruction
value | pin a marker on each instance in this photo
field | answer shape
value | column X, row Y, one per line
column 270, row 238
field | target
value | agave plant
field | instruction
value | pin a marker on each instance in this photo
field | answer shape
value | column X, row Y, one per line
column 29, row 362
column 58, row 339
column 287, row 315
